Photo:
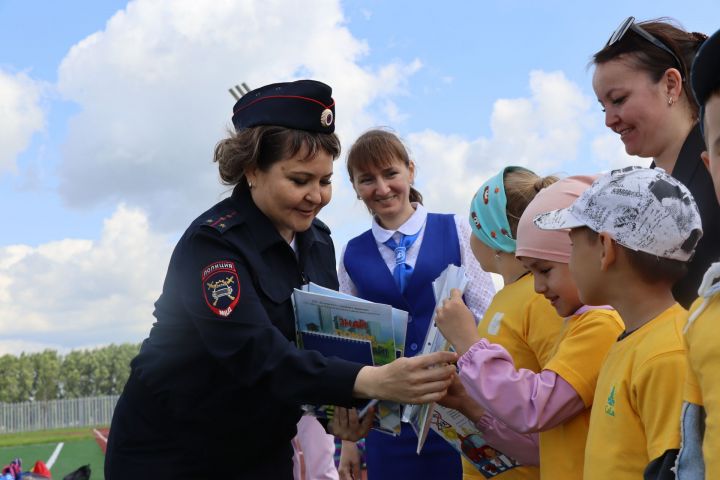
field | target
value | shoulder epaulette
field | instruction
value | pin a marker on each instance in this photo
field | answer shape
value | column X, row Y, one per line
column 223, row 221
column 319, row 223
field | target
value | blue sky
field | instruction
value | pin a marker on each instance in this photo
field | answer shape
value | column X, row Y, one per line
column 110, row 111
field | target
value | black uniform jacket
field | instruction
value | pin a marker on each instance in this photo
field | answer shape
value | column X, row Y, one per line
column 219, row 380
column 690, row 170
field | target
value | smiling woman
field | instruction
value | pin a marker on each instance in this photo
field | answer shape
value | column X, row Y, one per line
column 395, row 262
column 217, row 386
column 642, row 82
column 289, row 181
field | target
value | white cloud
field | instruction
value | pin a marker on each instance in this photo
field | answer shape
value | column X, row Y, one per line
column 153, row 91
column 80, row 293
column 540, row 132
column 20, row 116
column 610, row 153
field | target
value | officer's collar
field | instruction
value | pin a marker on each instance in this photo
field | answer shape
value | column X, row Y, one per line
column 263, row 230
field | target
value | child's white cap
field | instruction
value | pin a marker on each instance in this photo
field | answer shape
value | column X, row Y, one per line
column 643, row 209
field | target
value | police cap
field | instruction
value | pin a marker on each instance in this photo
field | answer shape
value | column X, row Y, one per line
column 302, row 105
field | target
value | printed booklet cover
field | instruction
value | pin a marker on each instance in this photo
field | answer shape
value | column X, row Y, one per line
column 351, row 328
column 462, row 434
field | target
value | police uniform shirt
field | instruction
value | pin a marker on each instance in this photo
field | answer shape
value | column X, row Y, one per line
column 220, row 364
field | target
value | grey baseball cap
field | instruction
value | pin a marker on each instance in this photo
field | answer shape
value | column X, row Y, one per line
column 643, row 209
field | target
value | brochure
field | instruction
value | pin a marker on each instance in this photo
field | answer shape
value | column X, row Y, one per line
column 461, row 433
column 354, row 329
column 419, row 415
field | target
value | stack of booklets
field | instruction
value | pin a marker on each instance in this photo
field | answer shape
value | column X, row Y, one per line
column 340, row 325
column 344, row 326
column 454, row 427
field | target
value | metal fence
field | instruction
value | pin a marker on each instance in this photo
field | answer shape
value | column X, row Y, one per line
column 74, row 412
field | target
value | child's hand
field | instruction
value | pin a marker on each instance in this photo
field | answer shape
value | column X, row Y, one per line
column 346, row 424
column 458, row 399
column 349, row 468
column 457, row 323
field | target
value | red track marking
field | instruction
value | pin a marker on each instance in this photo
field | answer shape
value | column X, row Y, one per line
column 101, row 435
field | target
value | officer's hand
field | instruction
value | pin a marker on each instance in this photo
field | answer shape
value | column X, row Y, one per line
column 457, row 323
column 349, row 467
column 347, row 426
column 420, row 379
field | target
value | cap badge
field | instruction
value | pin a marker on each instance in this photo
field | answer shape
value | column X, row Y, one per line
column 326, row 118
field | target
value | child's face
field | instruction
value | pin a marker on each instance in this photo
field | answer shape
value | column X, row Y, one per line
column 484, row 254
column 711, row 157
column 553, row 280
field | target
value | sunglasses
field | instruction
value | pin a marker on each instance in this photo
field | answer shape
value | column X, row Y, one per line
column 629, row 24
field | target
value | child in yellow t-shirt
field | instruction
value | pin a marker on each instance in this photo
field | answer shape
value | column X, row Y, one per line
column 519, row 319
column 555, row 401
column 698, row 458
column 632, row 233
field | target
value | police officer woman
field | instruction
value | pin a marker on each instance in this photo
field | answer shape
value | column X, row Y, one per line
column 216, row 388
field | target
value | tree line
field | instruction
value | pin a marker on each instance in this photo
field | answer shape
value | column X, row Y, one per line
column 48, row 375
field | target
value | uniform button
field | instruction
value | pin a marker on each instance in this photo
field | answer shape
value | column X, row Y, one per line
column 413, row 346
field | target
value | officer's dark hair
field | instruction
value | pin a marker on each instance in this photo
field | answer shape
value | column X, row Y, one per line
column 643, row 55
column 378, row 148
column 265, row 145
column 651, row 268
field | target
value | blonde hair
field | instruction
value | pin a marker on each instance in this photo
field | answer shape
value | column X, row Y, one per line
column 521, row 186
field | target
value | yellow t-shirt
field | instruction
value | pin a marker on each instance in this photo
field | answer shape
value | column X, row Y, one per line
column 637, row 400
column 578, row 357
column 703, row 383
column 527, row 326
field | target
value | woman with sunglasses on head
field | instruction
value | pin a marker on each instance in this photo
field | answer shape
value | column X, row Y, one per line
column 641, row 80
column 395, row 262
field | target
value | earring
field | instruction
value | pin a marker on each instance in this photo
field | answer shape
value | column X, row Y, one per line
column 671, row 101
column 497, row 255
column 249, row 184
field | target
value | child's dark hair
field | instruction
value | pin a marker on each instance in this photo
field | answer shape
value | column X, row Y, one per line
column 379, row 148
column 651, row 268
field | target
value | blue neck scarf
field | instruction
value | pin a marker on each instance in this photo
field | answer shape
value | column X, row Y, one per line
column 402, row 270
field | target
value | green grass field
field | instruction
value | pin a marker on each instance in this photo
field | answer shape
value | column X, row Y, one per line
column 80, row 448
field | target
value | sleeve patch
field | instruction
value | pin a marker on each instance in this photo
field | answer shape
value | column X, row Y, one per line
column 221, row 287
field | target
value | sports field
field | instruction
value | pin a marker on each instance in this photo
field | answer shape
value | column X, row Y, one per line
column 62, row 450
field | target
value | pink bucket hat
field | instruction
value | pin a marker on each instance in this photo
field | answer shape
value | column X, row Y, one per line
column 553, row 245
